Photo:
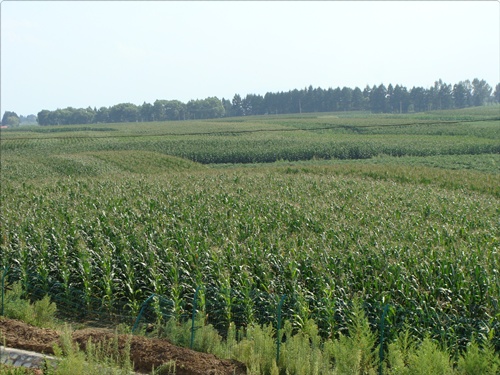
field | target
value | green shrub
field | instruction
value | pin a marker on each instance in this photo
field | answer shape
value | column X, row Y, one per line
column 429, row 359
column 302, row 353
column 257, row 349
column 479, row 361
column 40, row 314
column 356, row 353
column 98, row 358
column 9, row 370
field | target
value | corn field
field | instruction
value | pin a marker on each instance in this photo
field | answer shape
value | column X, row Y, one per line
column 118, row 219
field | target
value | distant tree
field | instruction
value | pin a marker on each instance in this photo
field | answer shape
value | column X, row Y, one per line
column 391, row 104
column 123, row 112
column 227, row 106
column 43, row 117
column 357, row 99
column 247, row 106
column 212, row 108
column 253, row 105
column 10, row 119
column 205, row 108
column 146, row 112
column 496, row 94
column 309, row 100
column 164, row 110
column 445, row 95
column 318, row 100
column 175, row 110
column 480, row 92
column 366, row 97
column 400, row 99
column 81, row 116
column 333, row 98
column 378, row 99
column 237, row 106
column 271, row 103
column 294, row 101
column 346, row 99
column 159, row 110
column 54, row 117
column 102, row 115
column 418, row 98
column 461, row 95
column 28, row 120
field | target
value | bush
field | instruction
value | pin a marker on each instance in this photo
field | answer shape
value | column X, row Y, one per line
column 98, row 358
column 40, row 314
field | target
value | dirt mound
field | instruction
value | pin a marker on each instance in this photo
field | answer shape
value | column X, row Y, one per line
column 144, row 352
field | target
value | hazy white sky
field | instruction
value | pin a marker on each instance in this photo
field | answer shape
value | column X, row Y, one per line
column 100, row 53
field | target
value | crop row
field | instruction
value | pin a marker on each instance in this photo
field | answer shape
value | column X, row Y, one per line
column 252, row 149
column 318, row 237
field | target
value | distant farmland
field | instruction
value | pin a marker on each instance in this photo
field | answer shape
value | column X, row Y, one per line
column 399, row 210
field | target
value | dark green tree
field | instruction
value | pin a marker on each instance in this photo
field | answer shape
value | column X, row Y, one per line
column 480, row 92
column 159, row 110
column 205, row 108
column 124, row 112
column 257, row 102
column 445, row 95
column 357, row 99
column 146, row 112
column 418, row 98
column 10, row 119
column 271, row 103
column 175, row 110
column 462, row 94
column 237, row 106
column 496, row 94
column 400, row 99
column 43, row 117
column 378, row 99
column 212, row 108
column 61, row 116
column 333, row 99
column 346, row 99
column 81, row 116
column 310, row 102
column 102, row 115
column 227, row 106
column 164, row 110
column 28, row 120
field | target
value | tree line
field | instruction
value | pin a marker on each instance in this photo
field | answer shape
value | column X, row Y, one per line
column 377, row 99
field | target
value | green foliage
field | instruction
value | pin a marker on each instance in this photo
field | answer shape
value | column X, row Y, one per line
column 479, row 361
column 206, row 338
column 257, row 350
column 399, row 352
column 97, row 358
column 165, row 369
column 356, row 353
column 41, row 313
column 10, row 119
column 9, row 370
column 303, row 352
column 429, row 359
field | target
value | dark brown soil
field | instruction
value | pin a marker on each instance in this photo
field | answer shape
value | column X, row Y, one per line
column 144, row 352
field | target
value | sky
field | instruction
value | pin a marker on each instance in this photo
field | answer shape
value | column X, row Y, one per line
column 58, row 54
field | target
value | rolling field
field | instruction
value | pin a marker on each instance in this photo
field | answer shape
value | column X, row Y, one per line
column 398, row 210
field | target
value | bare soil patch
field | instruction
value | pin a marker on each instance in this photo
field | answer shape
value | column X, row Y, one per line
column 144, row 352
